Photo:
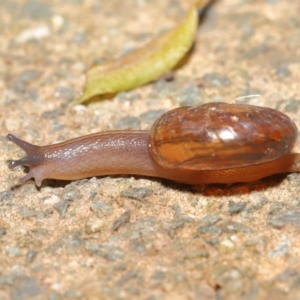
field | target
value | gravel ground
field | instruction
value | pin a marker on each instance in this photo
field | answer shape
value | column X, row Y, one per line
column 132, row 237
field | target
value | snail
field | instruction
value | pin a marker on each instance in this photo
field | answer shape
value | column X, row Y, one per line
column 212, row 143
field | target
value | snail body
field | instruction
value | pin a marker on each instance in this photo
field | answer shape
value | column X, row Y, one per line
column 212, row 143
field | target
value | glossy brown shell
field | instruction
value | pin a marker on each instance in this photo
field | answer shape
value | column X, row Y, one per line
column 220, row 135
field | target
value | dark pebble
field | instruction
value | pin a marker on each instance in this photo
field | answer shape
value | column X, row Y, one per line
column 292, row 106
column 137, row 193
column 235, row 207
column 283, row 71
column 158, row 276
column 137, row 246
column 128, row 122
column 48, row 211
column 151, row 115
column 144, row 227
column 210, row 220
column 210, row 230
column 13, row 251
column 101, row 208
column 131, row 274
column 216, row 79
column 123, row 219
column 247, row 30
column 53, row 113
column 64, row 93
column 36, row 10
column 25, row 288
column 61, row 207
column 109, row 252
column 281, row 249
column 73, row 294
column 71, row 193
column 128, row 96
column 54, row 296
column 261, row 201
column 79, row 37
column 162, row 86
column 172, row 226
column 262, row 49
column 56, row 126
column 70, row 241
column 190, row 96
column 287, row 275
column 30, row 256
column 29, row 75
column 7, row 279
column 3, row 231
column 276, row 207
column 233, row 227
column 40, row 233
column 25, row 212
column 281, row 220
column 5, row 195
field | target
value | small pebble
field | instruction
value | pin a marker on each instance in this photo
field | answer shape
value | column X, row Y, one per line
column 137, row 246
column 128, row 122
column 283, row 71
column 30, row 256
column 94, row 225
column 123, row 219
column 64, row 93
column 3, row 231
column 216, row 79
column 101, row 208
column 61, row 207
column 261, row 201
column 5, row 196
column 292, row 106
column 71, row 193
column 26, row 212
column 233, row 227
column 210, row 230
column 26, row 287
column 235, row 207
column 13, row 251
column 281, row 249
column 109, row 252
column 281, row 220
column 73, row 294
column 36, row 9
column 226, row 245
column 190, row 96
column 210, row 220
column 53, row 113
column 137, row 193
column 152, row 115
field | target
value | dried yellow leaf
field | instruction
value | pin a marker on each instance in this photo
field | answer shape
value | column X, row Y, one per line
column 144, row 65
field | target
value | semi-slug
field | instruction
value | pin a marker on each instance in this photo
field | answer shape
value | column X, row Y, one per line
column 212, row 143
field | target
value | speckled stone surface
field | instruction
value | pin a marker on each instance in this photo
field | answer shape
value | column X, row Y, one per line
column 132, row 237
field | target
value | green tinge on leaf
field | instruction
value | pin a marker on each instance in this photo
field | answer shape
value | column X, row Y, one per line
column 144, row 65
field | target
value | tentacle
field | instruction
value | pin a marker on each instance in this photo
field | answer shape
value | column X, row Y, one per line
column 27, row 147
column 25, row 161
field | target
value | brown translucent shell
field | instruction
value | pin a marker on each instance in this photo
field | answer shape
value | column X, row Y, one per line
column 220, row 135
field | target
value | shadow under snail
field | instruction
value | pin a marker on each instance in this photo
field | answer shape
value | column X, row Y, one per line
column 212, row 143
